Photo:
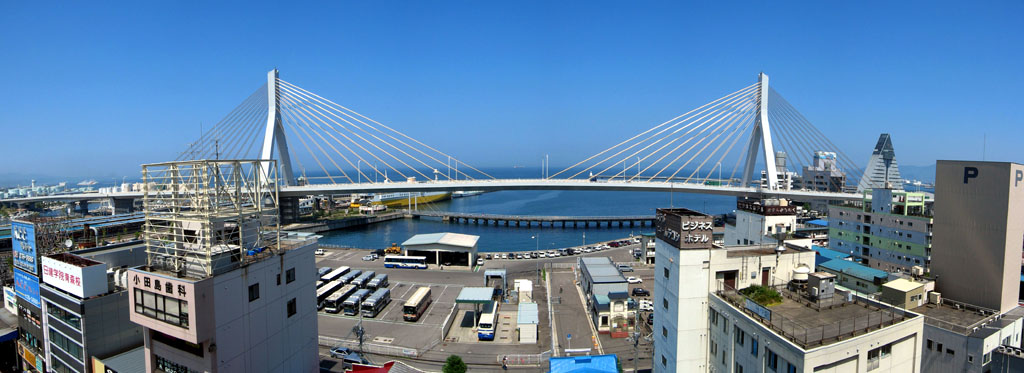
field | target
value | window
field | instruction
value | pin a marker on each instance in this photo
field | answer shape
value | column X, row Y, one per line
column 753, row 347
column 279, row 279
column 714, row 348
column 65, row 344
column 714, row 317
column 289, row 275
column 59, row 367
column 254, row 292
column 987, row 358
column 771, row 360
column 970, row 359
column 790, row 368
column 939, row 348
column 738, row 368
column 950, row 352
column 740, row 335
column 875, row 356
column 73, row 320
column 664, row 361
column 291, row 307
column 664, row 303
column 170, row 366
column 169, row 310
column 929, row 343
column 665, row 271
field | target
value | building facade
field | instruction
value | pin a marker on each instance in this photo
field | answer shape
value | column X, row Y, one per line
column 224, row 290
column 891, row 230
column 979, row 232
column 758, row 221
column 689, row 269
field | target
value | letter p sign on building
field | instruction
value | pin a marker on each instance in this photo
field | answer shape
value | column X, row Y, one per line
column 970, row 173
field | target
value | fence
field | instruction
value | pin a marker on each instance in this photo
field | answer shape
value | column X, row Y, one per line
column 372, row 348
column 877, row 317
column 524, row 359
column 448, row 322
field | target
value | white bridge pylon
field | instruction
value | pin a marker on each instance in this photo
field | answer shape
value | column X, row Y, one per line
column 338, row 145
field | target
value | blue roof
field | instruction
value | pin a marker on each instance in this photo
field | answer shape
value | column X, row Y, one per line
column 582, row 364
column 818, row 222
column 854, row 269
column 825, row 254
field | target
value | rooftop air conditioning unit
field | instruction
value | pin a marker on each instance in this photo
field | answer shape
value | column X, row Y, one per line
column 935, row 297
column 917, row 270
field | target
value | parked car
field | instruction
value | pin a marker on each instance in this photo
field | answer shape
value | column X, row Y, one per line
column 534, row 255
column 503, row 256
column 479, row 261
column 625, row 268
column 646, row 305
column 320, row 252
column 488, row 256
column 634, row 280
column 340, row 352
column 640, row 292
column 588, row 250
column 519, row 256
column 369, row 257
column 650, row 318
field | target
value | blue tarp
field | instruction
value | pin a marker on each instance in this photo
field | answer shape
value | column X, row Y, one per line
column 818, row 222
column 584, row 364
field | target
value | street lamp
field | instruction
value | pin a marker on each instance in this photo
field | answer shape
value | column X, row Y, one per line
column 537, row 237
column 359, row 171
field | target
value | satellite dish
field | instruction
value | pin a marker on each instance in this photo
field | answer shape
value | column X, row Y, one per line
column 68, row 243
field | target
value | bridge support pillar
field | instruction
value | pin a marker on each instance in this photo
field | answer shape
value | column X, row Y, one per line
column 123, row 206
column 289, row 209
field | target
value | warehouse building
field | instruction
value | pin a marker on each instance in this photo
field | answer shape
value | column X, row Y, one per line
column 448, row 249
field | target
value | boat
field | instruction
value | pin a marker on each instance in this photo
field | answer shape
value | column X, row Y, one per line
column 466, row 193
column 404, row 199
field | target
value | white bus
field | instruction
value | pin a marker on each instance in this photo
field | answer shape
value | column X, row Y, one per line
column 396, row 261
column 333, row 275
column 325, row 291
column 351, row 305
column 485, row 330
column 417, row 304
column 379, row 281
column 333, row 302
column 348, row 277
column 363, row 279
column 376, row 302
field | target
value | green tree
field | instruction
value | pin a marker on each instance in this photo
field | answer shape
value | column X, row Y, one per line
column 454, row 364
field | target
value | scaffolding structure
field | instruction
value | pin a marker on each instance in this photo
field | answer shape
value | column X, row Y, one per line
column 206, row 217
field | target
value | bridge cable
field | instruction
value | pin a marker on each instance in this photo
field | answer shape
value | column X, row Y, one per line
column 742, row 124
column 715, row 102
column 853, row 169
column 316, row 120
column 244, row 105
column 717, row 132
column 343, row 112
column 285, row 114
column 717, row 110
column 298, row 117
column 747, row 125
column 374, row 145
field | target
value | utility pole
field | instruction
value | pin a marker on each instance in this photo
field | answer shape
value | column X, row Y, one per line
column 636, row 338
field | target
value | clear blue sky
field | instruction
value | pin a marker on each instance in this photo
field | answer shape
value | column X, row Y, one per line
column 94, row 89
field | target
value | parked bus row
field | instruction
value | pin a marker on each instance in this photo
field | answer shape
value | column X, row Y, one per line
column 337, row 286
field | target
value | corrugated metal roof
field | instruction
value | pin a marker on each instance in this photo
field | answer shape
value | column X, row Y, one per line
column 854, row 269
column 602, row 270
column 818, row 222
column 827, row 254
column 445, row 238
column 528, row 314
column 130, row 361
column 475, row 295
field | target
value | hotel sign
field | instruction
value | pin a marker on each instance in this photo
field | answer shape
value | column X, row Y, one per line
column 23, row 242
column 684, row 229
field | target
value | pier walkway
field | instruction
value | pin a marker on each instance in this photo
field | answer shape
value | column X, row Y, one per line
column 529, row 220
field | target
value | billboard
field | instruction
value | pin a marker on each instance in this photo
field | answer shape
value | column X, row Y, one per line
column 74, row 274
column 683, row 228
column 23, row 241
column 27, row 287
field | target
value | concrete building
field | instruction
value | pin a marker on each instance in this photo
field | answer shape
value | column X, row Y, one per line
column 224, row 290
column 960, row 337
column 979, row 232
column 805, row 334
column 758, row 219
column 607, row 293
column 85, row 302
column 647, row 248
column 824, row 173
column 882, row 171
column 527, row 319
column 689, row 269
column 449, row 249
column 889, row 230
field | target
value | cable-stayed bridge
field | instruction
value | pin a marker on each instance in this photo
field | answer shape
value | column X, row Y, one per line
column 722, row 147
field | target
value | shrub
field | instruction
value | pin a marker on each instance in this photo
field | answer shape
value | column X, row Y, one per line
column 454, row 364
column 763, row 295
